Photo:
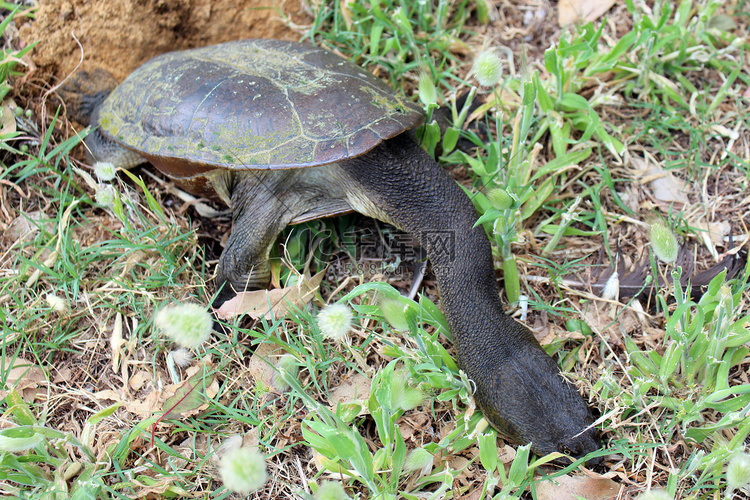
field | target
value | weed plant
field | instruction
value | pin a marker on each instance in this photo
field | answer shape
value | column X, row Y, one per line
column 97, row 404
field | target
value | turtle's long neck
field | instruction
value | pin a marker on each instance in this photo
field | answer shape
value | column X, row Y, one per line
column 518, row 386
column 412, row 192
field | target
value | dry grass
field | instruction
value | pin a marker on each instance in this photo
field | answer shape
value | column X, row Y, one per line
column 115, row 270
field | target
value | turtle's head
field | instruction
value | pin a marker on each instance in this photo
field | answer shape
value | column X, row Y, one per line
column 529, row 400
column 85, row 91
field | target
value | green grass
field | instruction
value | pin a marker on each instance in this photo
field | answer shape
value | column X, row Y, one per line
column 670, row 383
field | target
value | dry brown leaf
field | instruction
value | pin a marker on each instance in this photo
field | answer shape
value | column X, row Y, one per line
column 108, row 394
column 139, row 379
column 24, row 375
column 506, row 454
column 663, row 184
column 190, row 396
column 258, row 303
column 147, row 407
column 715, row 231
column 354, row 389
column 600, row 316
column 467, row 474
column 262, row 364
column 475, row 494
column 575, row 487
column 153, row 403
column 23, row 228
column 570, row 11
column 7, row 118
column 458, row 462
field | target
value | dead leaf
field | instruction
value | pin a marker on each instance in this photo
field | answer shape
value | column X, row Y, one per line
column 157, row 401
column 476, row 494
column 599, row 316
column 663, row 184
column 570, row 11
column 507, row 454
column 263, row 365
column 25, row 226
column 355, row 389
column 576, row 487
column 24, row 376
column 108, row 394
column 147, row 407
column 716, row 232
column 258, row 303
column 139, row 379
column 7, row 118
column 191, row 396
column 63, row 375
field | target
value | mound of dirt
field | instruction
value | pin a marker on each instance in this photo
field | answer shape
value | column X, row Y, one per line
column 119, row 35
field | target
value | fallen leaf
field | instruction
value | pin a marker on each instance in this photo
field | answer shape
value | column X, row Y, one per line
column 570, row 11
column 716, row 232
column 108, row 394
column 190, row 397
column 25, row 226
column 576, row 487
column 476, row 494
column 138, row 379
column 157, row 401
column 147, row 407
column 663, row 184
column 355, row 389
column 7, row 118
column 24, row 376
column 258, row 303
column 262, row 365
column 599, row 316
column 63, row 375
column 506, row 454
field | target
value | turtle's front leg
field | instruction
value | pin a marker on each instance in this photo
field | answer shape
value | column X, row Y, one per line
column 259, row 213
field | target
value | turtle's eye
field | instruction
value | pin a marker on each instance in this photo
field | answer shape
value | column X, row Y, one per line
column 400, row 110
column 573, row 451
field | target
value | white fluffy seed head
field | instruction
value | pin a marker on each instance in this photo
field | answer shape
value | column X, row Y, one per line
column 188, row 325
column 663, row 241
column 738, row 471
column 487, row 68
column 106, row 195
column 182, row 357
column 331, row 491
column 58, row 304
column 243, row 470
column 335, row 321
column 105, row 171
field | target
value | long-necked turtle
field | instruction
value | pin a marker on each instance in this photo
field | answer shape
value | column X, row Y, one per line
column 286, row 132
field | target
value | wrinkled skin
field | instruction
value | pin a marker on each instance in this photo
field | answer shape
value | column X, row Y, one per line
column 527, row 387
column 519, row 388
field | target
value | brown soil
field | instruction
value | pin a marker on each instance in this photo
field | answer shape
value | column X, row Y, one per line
column 119, row 35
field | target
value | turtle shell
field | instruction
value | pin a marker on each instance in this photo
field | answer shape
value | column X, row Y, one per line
column 252, row 104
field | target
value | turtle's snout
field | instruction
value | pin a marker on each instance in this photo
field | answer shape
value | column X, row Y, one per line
column 581, row 445
column 529, row 400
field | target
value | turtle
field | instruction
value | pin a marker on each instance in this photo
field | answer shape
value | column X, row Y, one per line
column 286, row 132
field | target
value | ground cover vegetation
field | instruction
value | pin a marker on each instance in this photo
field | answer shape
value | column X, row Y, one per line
column 617, row 145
